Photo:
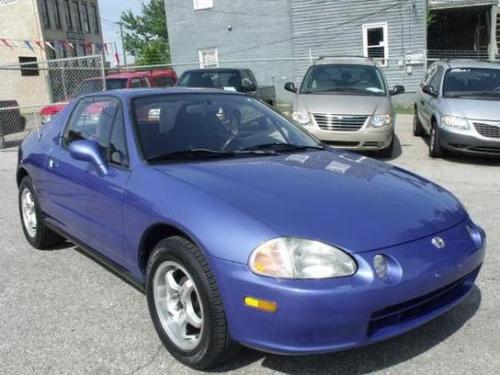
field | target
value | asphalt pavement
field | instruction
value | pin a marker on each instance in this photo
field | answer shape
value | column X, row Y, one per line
column 63, row 313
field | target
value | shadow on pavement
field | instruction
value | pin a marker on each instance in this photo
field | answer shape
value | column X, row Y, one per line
column 371, row 358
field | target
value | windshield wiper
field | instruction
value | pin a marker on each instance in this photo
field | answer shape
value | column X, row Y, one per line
column 203, row 153
column 278, row 146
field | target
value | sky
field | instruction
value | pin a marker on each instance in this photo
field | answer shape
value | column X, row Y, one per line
column 111, row 10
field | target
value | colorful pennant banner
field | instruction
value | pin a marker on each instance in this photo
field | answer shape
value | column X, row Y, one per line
column 57, row 45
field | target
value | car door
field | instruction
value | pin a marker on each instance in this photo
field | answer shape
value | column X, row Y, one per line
column 88, row 203
column 431, row 104
column 423, row 98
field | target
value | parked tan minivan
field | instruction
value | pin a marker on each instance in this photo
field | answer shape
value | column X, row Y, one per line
column 345, row 102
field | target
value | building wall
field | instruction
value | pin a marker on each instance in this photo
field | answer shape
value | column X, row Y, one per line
column 260, row 30
column 19, row 20
column 22, row 20
column 335, row 28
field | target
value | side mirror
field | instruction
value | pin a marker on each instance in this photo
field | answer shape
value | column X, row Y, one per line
column 89, row 151
column 248, row 86
column 429, row 90
column 397, row 90
column 290, row 86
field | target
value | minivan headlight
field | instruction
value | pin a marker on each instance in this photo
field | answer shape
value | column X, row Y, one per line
column 381, row 120
column 455, row 122
column 295, row 258
column 303, row 118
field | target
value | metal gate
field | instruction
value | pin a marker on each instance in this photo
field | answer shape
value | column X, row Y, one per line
column 27, row 89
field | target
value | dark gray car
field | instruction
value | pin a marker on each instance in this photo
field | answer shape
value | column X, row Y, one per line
column 459, row 108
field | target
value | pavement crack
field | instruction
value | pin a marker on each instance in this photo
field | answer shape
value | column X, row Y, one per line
column 149, row 363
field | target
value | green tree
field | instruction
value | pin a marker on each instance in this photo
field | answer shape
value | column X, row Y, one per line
column 145, row 35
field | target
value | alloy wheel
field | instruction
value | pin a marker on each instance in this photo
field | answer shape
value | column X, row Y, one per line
column 29, row 212
column 178, row 305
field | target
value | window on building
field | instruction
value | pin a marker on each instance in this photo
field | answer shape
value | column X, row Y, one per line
column 78, row 15
column 375, row 43
column 45, row 13
column 57, row 14
column 86, row 18
column 68, row 17
column 203, row 4
column 29, row 66
column 208, row 58
column 95, row 16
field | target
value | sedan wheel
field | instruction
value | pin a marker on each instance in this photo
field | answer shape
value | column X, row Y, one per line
column 178, row 305
column 28, row 210
column 34, row 228
column 185, row 305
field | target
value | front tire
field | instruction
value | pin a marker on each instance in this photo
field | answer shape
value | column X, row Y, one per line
column 34, row 228
column 185, row 305
column 435, row 149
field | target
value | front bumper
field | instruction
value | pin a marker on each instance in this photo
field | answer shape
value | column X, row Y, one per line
column 469, row 142
column 320, row 316
column 365, row 139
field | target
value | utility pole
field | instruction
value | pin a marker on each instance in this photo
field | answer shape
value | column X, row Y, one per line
column 123, row 44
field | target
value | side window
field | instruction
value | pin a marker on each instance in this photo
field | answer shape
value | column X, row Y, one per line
column 136, row 83
column 92, row 120
column 161, row 81
column 117, row 143
column 435, row 81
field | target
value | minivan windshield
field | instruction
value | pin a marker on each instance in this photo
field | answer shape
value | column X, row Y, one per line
column 472, row 82
column 344, row 79
column 199, row 125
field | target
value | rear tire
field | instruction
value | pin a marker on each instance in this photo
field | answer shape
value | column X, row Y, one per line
column 36, row 232
column 435, row 149
column 181, row 263
column 418, row 130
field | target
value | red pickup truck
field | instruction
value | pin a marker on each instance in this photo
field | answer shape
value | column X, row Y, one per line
column 127, row 80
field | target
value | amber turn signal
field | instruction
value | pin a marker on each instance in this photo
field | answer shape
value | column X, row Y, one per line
column 261, row 304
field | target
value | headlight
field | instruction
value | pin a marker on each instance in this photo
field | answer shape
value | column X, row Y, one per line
column 294, row 258
column 455, row 122
column 381, row 120
column 303, row 118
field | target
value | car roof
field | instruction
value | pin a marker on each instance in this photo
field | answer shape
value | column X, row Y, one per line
column 344, row 60
column 468, row 63
column 137, row 93
column 214, row 70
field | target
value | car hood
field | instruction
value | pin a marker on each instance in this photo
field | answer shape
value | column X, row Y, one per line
column 343, row 104
column 353, row 202
column 473, row 109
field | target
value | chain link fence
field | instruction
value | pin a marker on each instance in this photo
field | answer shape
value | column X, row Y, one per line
column 28, row 91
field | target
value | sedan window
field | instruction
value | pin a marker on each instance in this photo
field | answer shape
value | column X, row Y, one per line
column 92, row 120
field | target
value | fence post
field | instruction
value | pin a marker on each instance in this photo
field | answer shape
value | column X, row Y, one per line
column 63, row 79
column 103, row 72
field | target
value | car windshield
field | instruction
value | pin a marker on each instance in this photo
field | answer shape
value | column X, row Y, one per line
column 229, row 80
column 478, row 82
column 95, row 85
column 214, row 125
column 344, row 79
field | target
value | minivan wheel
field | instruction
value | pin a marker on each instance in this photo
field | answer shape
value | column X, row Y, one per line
column 185, row 305
column 418, row 130
column 34, row 228
column 435, row 149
